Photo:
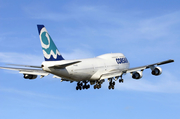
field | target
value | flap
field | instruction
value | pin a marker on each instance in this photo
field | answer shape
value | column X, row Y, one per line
column 111, row 74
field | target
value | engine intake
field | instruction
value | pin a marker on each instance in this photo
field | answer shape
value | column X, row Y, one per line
column 30, row 76
column 157, row 71
column 137, row 75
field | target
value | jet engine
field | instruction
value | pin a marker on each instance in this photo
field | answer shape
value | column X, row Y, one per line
column 157, row 71
column 137, row 75
column 30, row 76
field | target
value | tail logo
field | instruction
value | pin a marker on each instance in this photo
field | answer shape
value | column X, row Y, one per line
column 50, row 50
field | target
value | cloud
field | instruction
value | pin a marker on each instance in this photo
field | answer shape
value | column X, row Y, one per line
column 29, row 93
column 167, row 83
column 20, row 58
column 30, row 59
column 101, row 22
column 78, row 54
column 67, row 12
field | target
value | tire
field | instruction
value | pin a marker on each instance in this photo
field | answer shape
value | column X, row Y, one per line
column 88, row 86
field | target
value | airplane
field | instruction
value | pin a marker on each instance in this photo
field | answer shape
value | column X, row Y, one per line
column 110, row 66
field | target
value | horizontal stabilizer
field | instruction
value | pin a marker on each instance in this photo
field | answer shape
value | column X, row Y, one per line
column 62, row 66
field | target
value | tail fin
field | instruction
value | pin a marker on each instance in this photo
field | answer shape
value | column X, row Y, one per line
column 50, row 50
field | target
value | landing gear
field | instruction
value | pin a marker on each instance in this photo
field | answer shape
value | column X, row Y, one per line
column 98, row 84
column 111, row 84
column 121, row 80
column 81, row 86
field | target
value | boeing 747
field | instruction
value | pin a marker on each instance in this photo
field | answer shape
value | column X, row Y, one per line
column 85, row 72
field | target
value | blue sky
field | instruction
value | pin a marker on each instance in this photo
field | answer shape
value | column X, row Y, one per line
column 144, row 31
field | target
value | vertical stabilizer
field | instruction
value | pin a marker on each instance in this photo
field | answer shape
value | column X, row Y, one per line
column 50, row 50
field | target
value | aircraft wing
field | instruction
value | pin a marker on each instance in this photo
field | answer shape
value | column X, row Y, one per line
column 120, row 72
column 147, row 66
column 25, row 65
column 28, row 71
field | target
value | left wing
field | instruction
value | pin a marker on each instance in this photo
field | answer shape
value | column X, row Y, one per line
column 131, row 70
column 25, row 65
column 28, row 71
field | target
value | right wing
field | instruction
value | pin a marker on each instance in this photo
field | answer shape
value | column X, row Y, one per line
column 117, row 73
column 147, row 66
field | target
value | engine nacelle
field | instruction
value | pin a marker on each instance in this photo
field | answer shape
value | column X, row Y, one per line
column 30, row 76
column 157, row 71
column 137, row 75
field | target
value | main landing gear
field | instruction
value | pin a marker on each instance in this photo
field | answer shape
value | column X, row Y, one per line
column 121, row 80
column 112, row 83
column 97, row 85
column 80, row 85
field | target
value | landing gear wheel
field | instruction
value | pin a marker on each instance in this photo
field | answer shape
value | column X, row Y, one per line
column 100, row 86
column 94, row 86
column 121, row 80
column 109, row 87
column 112, row 87
column 88, row 86
column 113, row 83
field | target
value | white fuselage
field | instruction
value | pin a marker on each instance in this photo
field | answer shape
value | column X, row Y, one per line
column 88, row 69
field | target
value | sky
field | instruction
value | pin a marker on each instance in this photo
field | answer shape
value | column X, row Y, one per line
column 145, row 32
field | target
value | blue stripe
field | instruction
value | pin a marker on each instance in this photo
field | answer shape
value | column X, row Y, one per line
column 59, row 57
